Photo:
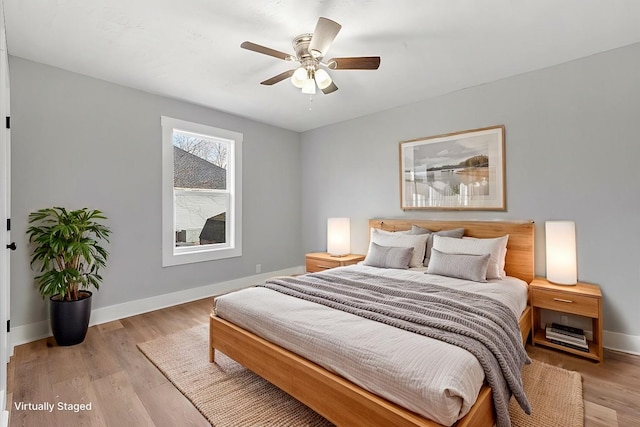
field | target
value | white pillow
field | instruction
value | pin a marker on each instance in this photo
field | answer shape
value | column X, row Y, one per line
column 456, row 233
column 497, row 248
column 417, row 242
column 415, row 230
column 503, row 256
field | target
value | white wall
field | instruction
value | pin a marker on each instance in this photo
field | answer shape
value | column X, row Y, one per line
column 572, row 152
column 80, row 141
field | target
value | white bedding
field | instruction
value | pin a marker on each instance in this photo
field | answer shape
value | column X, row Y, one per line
column 434, row 379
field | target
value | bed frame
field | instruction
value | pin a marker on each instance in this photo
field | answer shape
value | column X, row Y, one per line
column 342, row 402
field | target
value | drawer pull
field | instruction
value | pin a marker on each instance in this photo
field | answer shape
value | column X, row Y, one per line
column 563, row 300
column 326, row 267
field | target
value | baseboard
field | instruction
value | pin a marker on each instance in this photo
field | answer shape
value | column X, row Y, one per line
column 38, row 330
column 622, row 342
column 4, row 418
column 4, row 413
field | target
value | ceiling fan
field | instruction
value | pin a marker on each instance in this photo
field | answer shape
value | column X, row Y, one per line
column 310, row 49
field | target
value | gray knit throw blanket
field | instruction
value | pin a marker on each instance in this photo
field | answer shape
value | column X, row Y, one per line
column 481, row 325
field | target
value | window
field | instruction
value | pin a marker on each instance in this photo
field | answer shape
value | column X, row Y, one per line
column 201, row 192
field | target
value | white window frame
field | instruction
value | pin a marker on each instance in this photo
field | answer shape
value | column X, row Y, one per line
column 172, row 255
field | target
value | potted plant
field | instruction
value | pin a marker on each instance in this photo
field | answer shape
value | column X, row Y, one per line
column 68, row 254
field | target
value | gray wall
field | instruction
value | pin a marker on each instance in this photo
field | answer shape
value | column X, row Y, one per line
column 572, row 152
column 78, row 141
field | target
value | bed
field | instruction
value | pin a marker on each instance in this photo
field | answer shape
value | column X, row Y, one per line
column 340, row 400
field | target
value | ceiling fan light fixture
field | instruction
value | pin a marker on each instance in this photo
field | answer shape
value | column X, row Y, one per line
column 323, row 79
column 309, row 87
column 299, row 77
column 310, row 49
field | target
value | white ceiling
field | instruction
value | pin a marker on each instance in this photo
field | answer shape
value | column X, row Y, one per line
column 190, row 49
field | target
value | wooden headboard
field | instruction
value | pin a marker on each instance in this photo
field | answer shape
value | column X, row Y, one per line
column 519, row 261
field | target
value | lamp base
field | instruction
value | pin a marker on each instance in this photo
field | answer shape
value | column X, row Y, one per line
column 561, row 284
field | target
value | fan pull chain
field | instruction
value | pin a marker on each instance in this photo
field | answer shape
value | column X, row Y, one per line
column 310, row 102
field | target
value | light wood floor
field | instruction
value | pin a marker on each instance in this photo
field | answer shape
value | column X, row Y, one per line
column 125, row 389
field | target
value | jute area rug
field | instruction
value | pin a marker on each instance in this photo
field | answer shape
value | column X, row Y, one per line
column 227, row 394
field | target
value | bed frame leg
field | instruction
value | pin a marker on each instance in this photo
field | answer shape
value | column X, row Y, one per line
column 212, row 351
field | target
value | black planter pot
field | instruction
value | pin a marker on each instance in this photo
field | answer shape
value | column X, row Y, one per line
column 70, row 319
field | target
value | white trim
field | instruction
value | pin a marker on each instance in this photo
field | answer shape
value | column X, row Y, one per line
column 622, row 342
column 35, row 331
column 170, row 256
column 6, row 349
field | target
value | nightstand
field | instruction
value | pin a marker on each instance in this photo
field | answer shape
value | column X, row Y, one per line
column 320, row 261
column 583, row 299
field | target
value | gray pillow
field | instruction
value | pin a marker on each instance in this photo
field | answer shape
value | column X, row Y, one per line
column 388, row 256
column 456, row 233
column 415, row 229
column 461, row 266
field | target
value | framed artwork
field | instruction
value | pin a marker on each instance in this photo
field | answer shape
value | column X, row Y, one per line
column 457, row 171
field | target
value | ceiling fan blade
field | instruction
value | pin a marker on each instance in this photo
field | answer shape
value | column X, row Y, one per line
column 330, row 89
column 354, row 63
column 267, row 51
column 324, row 34
column 280, row 77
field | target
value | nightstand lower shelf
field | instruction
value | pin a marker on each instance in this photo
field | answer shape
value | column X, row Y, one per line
column 540, row 339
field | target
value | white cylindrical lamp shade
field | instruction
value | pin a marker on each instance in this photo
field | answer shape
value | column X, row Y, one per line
column 561, row 252
column 323, row 80
column 299, row 77
column 309, row 87
column 338, row 236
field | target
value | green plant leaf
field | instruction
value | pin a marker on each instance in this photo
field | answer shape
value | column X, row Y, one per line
column 67, row 249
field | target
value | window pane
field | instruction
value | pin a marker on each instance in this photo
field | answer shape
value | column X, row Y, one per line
column 199, row 162
column 200, row 217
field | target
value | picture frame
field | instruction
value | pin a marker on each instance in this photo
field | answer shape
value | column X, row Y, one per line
column 455, row 171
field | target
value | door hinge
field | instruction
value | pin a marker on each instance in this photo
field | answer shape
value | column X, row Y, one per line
column 8, row 224
column 8, row 122
column 8, row 325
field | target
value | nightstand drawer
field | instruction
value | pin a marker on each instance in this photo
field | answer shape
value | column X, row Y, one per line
column 565, row 302
column 315, row 265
